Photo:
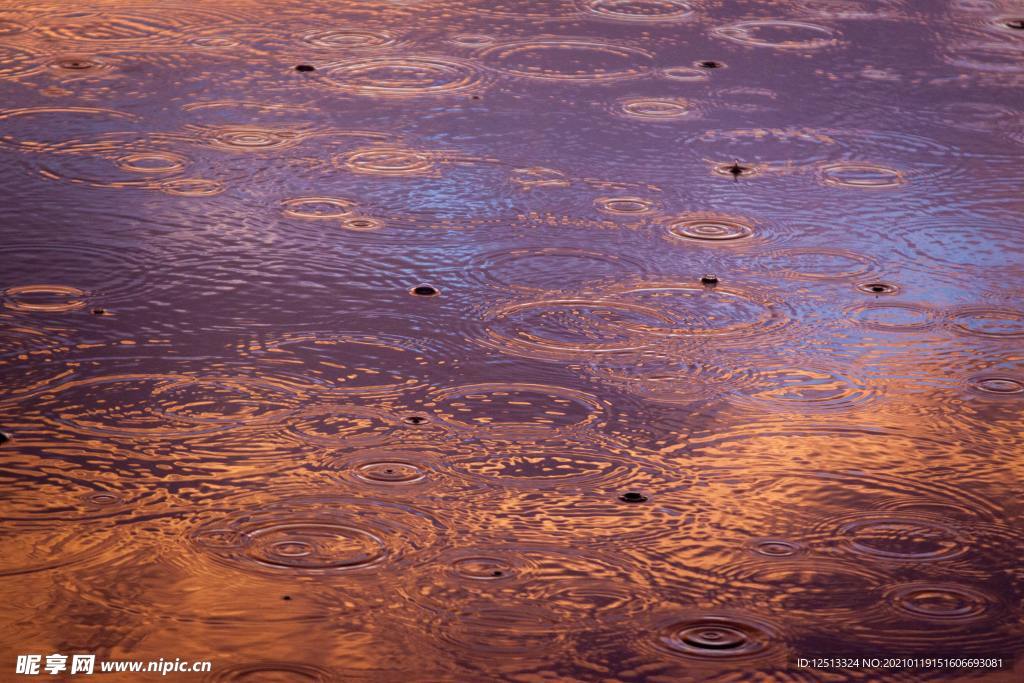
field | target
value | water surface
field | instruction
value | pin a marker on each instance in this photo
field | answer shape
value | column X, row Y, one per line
column 593, row 340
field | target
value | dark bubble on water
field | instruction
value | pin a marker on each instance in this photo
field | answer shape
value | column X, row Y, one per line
column 425, row 290
column 736, row 170
column 75, row 63
column 481, row 568
column 878, row 288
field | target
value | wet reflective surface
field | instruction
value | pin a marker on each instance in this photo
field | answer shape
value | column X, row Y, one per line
column 582, row 340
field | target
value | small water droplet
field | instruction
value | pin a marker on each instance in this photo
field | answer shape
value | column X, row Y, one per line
column 878, row 288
